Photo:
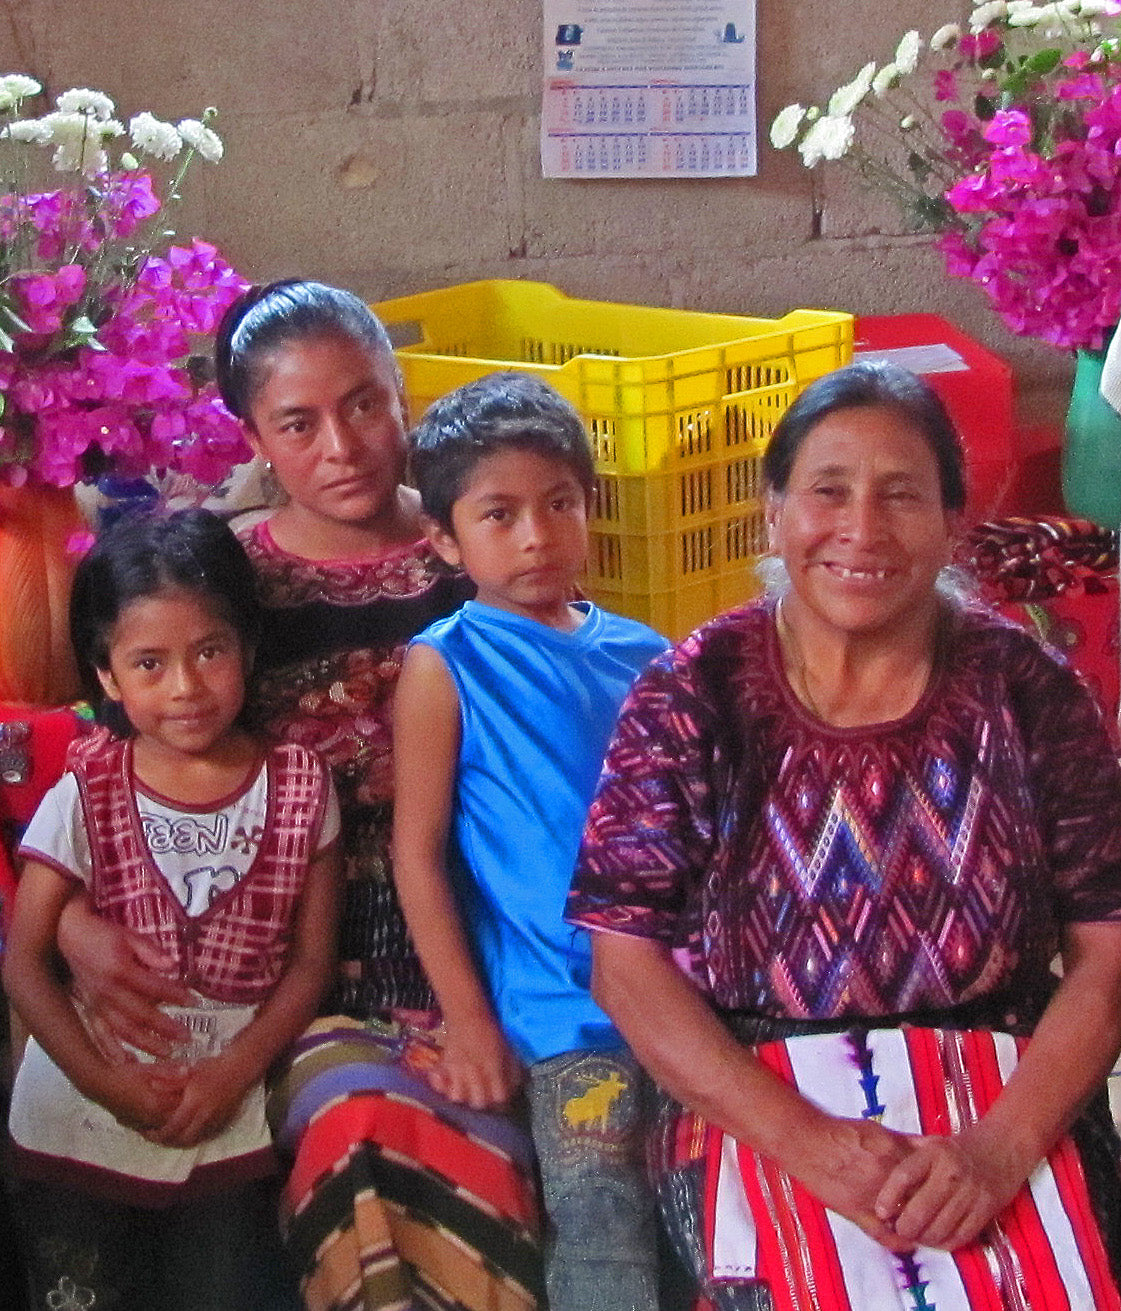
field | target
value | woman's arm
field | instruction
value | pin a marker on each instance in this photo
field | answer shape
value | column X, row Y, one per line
column 950, row 1188
column 138, row 1095
column 674, row 1034
column 478, row 1066
column 122, row 980
column 216, row 1086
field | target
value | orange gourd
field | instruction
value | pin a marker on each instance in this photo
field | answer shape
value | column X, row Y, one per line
column 36, row 568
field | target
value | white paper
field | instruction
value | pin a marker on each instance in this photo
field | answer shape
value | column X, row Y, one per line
column 648, row 88
column 938, row 358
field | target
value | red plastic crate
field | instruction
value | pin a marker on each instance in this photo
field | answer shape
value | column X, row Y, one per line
column 976, row 389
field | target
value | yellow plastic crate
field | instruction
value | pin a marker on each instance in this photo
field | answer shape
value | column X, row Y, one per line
column 680, row 406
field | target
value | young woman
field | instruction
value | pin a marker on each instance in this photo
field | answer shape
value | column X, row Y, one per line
column 386, row 1201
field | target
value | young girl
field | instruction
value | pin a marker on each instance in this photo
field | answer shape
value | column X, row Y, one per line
column 147, row 1184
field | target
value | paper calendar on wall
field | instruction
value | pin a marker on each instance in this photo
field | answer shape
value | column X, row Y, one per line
column 648, row 89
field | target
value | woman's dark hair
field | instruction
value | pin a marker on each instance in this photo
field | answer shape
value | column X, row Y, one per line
column 500, row 411
column 263, row 319
column 142, row 555
column 886, row 386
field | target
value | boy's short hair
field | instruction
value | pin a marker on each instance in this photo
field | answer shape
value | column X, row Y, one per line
column 500, row 411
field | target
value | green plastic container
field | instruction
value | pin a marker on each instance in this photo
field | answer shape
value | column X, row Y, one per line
column 1092, row 452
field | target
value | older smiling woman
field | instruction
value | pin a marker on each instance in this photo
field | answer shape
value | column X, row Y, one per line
column 840, row 836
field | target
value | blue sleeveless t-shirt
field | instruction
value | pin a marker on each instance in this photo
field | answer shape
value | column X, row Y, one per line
column 537, row 707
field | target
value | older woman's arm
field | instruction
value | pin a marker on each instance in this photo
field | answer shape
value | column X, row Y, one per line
column 949, row 1189
column 674, row 1034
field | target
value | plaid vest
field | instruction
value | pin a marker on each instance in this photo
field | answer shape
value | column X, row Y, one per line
column 236, row 949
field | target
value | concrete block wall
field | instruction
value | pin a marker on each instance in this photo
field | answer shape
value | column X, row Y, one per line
column 392, row 146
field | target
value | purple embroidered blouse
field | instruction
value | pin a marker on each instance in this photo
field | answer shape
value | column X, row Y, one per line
column 813, row 872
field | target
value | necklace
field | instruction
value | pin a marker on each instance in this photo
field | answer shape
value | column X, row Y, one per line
column 797, row 662
column 800, row 684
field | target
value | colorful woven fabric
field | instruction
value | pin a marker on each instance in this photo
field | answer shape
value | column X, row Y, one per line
column 327, row 664
column 1037, row 559
column 1043, row 1253
column 1057, row 578
column 33, row 745
column 398, row 1199
column 815, row 872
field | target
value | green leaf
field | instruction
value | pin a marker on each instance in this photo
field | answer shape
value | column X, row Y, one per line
column 1044, row 61
column 984, row 107
column 919, row 166
column 81, row 331
column 3, row 404
column 8, row 312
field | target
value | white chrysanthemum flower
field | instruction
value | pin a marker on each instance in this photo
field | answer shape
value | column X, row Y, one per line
column 201, row 138
column 785, row 127
column 846, row 98
column 829, row 138
column 19, row 86
column 885, row 79
column 81, row 100
column 129, row 162
column 947, row 35
column 153, row 136
column 31, row 130
column 77, row 145
column 66, row 129
column 6, row 101
column 986, row 14
column 111, row 128
column 907, row 122
column 1026, row 17
column 907, row 52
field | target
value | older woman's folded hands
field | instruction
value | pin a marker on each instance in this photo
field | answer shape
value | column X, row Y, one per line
column 947, row 1189
column 847, row 1165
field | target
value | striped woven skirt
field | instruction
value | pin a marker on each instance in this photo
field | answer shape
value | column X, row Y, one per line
column 397, row 1199
column 758, row 1241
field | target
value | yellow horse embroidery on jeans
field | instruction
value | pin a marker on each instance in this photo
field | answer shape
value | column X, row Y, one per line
column 594, row 1105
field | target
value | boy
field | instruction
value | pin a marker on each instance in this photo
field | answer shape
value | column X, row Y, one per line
column 502, row 717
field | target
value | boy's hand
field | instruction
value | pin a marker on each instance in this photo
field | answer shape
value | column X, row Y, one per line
column 212, row 1093
column 478, row 1066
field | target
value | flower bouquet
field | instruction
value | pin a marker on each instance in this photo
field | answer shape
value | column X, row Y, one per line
column 105, row 326
column 1005, row 137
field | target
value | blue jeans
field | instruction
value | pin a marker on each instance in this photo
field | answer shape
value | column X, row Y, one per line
column 588, row 1118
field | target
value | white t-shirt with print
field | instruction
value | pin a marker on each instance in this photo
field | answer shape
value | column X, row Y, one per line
column 200, row 851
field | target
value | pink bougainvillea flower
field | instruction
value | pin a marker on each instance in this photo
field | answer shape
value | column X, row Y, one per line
column 218, row 440
column 1008, row 127
column 129, row 200
column 105, row 327
column 1087, row 87
column 45, row 296
column 979, row 45
column 945, row 85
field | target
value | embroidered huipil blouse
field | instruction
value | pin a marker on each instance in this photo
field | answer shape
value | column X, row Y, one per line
column 804, row 871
